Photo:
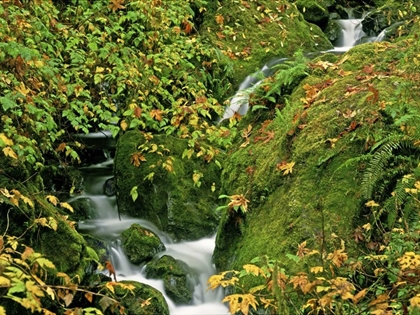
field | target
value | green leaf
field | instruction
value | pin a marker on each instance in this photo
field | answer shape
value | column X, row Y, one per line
column 17, row 287
column 293, row 257
column 134, row 193
column 7, row 103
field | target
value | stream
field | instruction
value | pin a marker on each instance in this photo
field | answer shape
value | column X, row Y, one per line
column 105, row 223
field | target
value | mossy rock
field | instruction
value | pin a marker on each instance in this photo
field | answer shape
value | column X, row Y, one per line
column 135, row 303
column 314, row 11
column 332, row 30
column 253, row 33
column 83, row 209
column 141, row 244
column 323, row 197
column 53, row 236
column 176, row 276
column 166, row 192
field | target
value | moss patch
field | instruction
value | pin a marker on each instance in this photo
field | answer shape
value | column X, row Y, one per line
column 141, row 244
column 336, row 114
column 167, row 194
column 253, row 33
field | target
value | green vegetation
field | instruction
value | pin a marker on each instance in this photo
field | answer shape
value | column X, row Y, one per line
column 330, row 170
column 330, row 150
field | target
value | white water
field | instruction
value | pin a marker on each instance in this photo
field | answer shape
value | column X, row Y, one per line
column 106, row 225
column 351, row 35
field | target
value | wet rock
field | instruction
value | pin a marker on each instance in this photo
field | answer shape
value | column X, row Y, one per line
column 134, row 302
column 141, row 244
column 167, row 196
column 109, row 187
column 176, row 276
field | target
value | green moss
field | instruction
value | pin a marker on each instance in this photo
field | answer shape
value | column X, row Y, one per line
column 169, row 199
column 314, row 11
column 321, row 200
column 176, row 276
column 141, row 244
column 134, row 303
column 251, row 38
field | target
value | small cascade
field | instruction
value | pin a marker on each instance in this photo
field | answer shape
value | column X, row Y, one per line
column 351, row 34
column 106, row 224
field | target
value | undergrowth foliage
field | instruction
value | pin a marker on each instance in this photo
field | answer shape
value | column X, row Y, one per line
column 333, row 283
column 84, row 66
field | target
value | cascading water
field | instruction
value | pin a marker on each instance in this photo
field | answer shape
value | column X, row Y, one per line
column 106, row 224
column 351, row 34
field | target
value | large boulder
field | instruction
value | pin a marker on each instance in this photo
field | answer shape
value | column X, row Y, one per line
column 176, row 276
column 141, row 244
column 338, row 142
column 174, row 192
column 315, row 11
column 142, row 300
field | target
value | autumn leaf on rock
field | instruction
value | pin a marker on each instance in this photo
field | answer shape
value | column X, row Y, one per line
column 286, row 168
column 219, row 19
column 368, row 69
column 116, row 5
column 137, row 158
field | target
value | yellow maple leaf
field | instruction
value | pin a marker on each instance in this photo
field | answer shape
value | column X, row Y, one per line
column 240, row 302
column 415, row 301
column 27, row 201
column 238, row 201
column 67, row 206
column 116, row 5
column 8, row 151
column 137, row 158
column 123, row 125
column 253, row 269
column 5, row 139
column 360, row 295
column 338, row 257
column 32, row 287
column 317, row 269
column 22, row 89
column 371, row 203
column 156, row 114
column 219, row 280
column 286, row 168
column 52, row 199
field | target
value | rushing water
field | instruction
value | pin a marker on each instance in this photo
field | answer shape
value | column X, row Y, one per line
column 351, row 35
column 105, row 224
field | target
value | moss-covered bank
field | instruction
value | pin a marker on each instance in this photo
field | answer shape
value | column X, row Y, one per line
column 252, row 33
column 347, row 108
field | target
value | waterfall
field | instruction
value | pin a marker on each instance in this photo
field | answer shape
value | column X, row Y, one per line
column 106, row 225
column 351, row 34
